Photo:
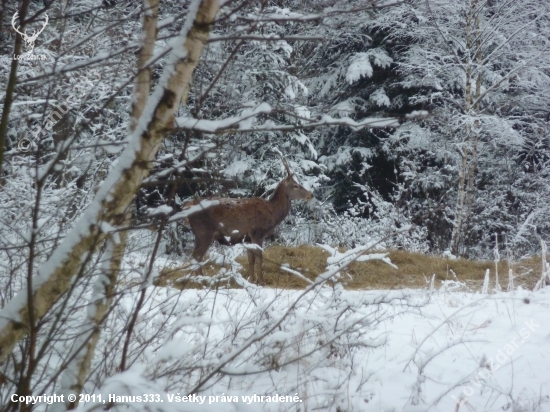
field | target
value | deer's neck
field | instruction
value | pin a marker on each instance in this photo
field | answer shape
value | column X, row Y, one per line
column 280, row 203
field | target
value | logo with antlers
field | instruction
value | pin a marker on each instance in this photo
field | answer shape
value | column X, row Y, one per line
column 32, row 38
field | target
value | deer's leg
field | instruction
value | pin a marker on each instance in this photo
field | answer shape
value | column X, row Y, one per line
column 259, row 258
column 260, row 276
column 251, row 257
column 202, row 243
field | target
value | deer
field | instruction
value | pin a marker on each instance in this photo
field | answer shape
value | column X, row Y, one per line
column 29, row 39
column 231, row 221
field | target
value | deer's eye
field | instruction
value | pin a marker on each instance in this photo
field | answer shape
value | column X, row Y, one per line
column 295, row 186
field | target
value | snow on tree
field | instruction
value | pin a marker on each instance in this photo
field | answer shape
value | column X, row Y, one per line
column 475, row 64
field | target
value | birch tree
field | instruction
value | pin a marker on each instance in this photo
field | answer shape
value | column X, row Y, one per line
column 74, row 377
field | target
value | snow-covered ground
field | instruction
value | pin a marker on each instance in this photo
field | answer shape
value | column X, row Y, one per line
column 337, row 350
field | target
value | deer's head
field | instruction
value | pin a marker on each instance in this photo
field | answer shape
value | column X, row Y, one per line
column 29, row 39
column 293, row 189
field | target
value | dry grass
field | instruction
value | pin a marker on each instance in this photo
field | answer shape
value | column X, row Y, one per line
column 414, row 270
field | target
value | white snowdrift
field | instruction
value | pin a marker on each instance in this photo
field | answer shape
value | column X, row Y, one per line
column 419, row 351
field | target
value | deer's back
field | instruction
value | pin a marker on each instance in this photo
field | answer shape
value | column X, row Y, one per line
column 243, row 215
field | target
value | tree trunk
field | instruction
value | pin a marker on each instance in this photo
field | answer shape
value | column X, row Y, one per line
column 475, row 132
column 468, row 151
column 10, row 90
column 75, row 375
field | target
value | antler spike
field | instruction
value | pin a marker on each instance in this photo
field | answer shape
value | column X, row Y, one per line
column 285, row 163
column 287, row 167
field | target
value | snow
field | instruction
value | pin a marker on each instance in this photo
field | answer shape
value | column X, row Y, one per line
column 359, row 67
column 160, row 210
column 335, row 349
column 37, row 101
column 331, row 121
column 237, row 167
column 380, row 98
column 447, row 253
column 417, row 113
column 289, row 92
column 244, row 120
column 380, row 58
column 360, row 64
column 368, row 122
column 303, row 112
column 407, row 350
column 345, row 108
column 202, row 205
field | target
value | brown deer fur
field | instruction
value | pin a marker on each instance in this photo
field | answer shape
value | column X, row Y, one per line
column 252, row 220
